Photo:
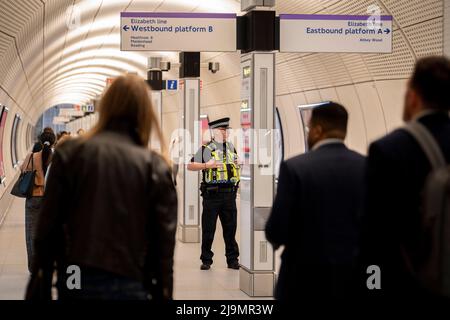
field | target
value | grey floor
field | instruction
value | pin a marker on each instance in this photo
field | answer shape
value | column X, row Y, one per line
column 13, row 256
column 190, row 283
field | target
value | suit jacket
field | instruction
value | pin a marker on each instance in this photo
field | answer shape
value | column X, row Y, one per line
column 396, row 172
column 315, row 216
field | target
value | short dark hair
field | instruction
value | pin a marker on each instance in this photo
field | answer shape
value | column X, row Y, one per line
column 331, row 117
column 48, row 129
column 431, row 80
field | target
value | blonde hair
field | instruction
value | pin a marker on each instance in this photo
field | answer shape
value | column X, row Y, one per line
column 127, row 101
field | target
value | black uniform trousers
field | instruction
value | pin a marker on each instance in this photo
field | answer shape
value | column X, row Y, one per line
column 223, row 205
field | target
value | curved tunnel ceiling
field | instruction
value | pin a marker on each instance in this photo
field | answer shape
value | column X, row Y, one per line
column 44, row 62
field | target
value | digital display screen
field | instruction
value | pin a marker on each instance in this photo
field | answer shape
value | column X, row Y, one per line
column 246, row 72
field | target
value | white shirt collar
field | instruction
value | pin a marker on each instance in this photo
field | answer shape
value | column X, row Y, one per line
column 326, row 142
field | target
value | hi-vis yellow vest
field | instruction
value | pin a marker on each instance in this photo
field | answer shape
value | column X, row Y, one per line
column 229, row 172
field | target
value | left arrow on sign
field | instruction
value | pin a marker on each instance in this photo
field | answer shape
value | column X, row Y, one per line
column 126, row 28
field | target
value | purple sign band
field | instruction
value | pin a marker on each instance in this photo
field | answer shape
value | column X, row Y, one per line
column 177, row 15
column 329, row 17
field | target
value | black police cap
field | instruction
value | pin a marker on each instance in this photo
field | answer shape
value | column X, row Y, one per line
column 220, row 123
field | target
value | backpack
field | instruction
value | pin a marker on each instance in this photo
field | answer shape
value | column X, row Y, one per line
column 434, row 273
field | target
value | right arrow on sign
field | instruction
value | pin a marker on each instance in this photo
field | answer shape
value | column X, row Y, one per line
column 387, row 31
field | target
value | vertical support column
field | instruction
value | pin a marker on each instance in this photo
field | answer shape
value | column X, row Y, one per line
column 189, row 227
column 157, row 100
column 155, row 80
column 257, row 273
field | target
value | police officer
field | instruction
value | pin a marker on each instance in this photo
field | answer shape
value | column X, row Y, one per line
column 218, row 162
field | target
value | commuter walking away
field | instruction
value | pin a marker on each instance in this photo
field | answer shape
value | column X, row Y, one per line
column 39, row 159
column 218, row 162
column 398, row 235
column 316, row 212
column 61, row 137
column 110, row 207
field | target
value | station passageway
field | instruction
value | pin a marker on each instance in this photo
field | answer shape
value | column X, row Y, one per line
column 287, row 109
column 190, row 283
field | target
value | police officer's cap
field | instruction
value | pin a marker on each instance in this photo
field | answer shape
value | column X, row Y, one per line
column 220, row 123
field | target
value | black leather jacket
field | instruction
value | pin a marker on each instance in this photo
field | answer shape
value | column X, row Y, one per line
column 111, row 205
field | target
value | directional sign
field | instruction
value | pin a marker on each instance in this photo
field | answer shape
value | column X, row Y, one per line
column 172, row 84
column 90, row 108
column 171, row 31
column 335, row 33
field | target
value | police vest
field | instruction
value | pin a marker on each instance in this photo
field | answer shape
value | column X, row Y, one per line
column 229, row 172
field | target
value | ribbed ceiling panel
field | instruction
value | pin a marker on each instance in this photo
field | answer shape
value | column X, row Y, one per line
column 11, row 19
column 315, row 68
column 281, row 85
column 397, row 65
column 308, row 6
column 411, row 12
column 356, row 67
column 30, row 44
column 447, row 28
column 354, row 7
column 426, row 38
column 7, row 53
column 336, row 70
column 297, row 75
column 420, row 34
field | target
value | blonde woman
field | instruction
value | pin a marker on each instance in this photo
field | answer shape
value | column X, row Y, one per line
column 110, row 207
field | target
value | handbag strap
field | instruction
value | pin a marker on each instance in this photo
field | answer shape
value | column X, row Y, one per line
column 32, row 162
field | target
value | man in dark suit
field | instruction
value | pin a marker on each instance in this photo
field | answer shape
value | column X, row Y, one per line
column 316, row 211
column 396, row 171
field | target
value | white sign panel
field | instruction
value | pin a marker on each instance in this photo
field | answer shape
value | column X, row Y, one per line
column 335, row 33
column 59, row 120
column 158, row 31
column 70, row 113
